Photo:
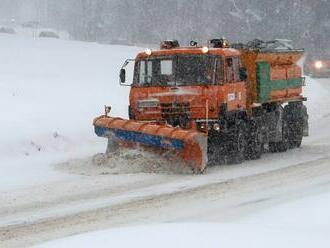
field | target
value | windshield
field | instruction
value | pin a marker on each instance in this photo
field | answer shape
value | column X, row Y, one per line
column 179, row 70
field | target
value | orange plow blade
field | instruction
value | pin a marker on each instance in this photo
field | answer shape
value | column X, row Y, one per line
column 190, row 145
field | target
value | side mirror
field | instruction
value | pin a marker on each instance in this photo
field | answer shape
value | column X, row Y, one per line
column 243, row 74
column 122, row 76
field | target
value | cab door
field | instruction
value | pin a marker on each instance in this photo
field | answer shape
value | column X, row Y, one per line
column 235, row 91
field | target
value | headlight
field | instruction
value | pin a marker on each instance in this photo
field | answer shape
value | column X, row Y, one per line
column 203, row 126
column 216, row 127
column 148, row 51
column 205, row 49
column 318, row 64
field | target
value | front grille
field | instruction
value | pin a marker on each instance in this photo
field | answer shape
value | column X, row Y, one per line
column 176, row 114
column 174, row 109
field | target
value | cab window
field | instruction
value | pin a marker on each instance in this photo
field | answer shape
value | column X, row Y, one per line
column 236, row 64
column 219, row 75
column 232, row 69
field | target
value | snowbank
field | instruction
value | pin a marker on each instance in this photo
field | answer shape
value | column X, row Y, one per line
column 50, row 91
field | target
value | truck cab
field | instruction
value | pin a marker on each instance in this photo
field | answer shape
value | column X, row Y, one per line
column 187, row 87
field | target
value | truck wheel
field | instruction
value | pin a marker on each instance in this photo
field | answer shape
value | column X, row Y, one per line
column 255, row 145
column 294, row 115
column 237, row 145
column 216, row 148
column 296, row 135
column 283, row 145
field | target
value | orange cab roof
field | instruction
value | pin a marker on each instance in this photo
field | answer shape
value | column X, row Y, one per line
column 190, row 50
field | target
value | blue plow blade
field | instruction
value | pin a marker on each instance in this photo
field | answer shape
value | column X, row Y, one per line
column 140, row 138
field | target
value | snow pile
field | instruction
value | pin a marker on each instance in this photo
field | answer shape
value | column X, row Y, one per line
column 52, row 88
column 50, row 91
column 126, row 161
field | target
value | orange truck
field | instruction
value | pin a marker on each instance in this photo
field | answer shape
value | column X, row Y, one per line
column 212, row 104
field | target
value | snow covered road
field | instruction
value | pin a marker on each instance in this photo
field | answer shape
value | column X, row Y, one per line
column 50, row 186
column 224, row 201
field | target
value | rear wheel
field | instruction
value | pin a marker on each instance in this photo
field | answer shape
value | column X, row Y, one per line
column 255, row 144
column 282, row 145
column 295, row 116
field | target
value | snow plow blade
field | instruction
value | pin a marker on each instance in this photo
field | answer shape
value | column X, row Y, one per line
column 191, row 146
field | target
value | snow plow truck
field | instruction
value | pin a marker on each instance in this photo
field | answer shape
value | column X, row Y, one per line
column 212, row 104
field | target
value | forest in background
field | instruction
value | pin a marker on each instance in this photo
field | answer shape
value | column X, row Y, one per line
column 306, row 22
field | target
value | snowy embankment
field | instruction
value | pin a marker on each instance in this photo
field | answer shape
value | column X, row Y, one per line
column 50, row 91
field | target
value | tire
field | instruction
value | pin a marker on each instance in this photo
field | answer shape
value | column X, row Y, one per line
column 237, row 144
column 283, row 145
column 255, row 145
column 295, row 118
column 216, row 148
column 272, row 147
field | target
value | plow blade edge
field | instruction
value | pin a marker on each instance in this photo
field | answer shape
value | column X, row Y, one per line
column 190, row 145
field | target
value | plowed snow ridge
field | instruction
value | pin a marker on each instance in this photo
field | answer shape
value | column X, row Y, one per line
column 125, row 161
